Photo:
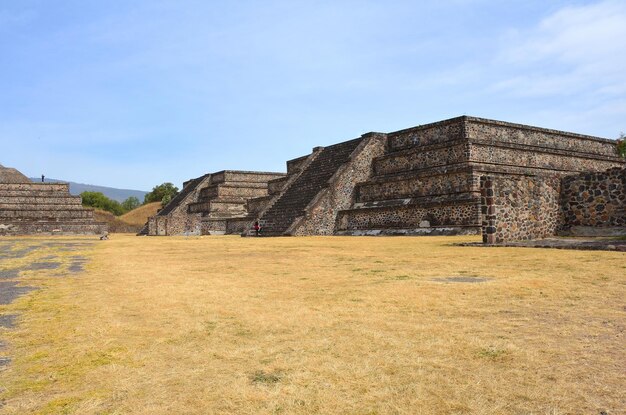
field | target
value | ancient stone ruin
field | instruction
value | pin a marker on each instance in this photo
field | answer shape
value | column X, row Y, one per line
column 213, row 204
column 28, row 208
column 464, row 175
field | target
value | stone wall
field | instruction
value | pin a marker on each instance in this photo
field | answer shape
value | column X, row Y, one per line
column 595, row 200
column 463, row 175
column 434, row 133
column 422, row 218
column 226, row 198
column 419, row 158
column 434, row 182
column 519, row 207
column 535, row 160
column 498, row 132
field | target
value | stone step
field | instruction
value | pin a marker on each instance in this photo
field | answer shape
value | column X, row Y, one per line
column 35, row 187
column 294, row 199
column 60, row 228
column 34, row 214
column 36, row 193
column 40, row 206
column 430, row 231
column 232, row 176
column 229, row 191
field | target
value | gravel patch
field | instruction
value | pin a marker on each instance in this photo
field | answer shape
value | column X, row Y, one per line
column 77, row 265
column 36, row 266
column 9, row 291
column 9, row 274
column 20, row 253
column 7, row 321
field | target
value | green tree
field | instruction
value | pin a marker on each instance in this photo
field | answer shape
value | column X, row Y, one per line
column 166, row 199
column 162, row 193
column 131, row 203
column 100, row 201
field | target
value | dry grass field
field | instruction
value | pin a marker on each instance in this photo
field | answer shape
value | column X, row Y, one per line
column 130, row 222
column 140, row 215
column 318, row 325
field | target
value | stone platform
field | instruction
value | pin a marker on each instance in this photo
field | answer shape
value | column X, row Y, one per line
column 429, row 179
column 212, row 204
column 28, row 208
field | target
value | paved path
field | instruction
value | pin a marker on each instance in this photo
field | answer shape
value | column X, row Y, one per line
column 586, row 244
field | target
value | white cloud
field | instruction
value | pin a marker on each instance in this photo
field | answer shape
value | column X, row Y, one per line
column 575, row 50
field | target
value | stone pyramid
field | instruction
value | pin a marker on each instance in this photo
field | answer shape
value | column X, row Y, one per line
column 28, row 208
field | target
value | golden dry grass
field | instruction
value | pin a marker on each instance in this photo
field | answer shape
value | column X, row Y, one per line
column 114, row 223
column 130, row 222
column 140, row 215
column 321, row 325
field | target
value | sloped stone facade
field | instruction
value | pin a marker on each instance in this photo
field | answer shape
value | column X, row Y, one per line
column 320, row 215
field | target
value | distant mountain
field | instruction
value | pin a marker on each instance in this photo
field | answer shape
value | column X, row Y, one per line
column 112, row 193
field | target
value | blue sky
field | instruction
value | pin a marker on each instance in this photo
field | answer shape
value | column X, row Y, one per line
column 135, row 93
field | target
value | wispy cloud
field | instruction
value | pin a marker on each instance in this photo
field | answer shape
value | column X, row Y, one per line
column 576, row 49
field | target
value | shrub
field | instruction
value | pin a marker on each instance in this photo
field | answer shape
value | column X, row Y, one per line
column 100, row 201
column 131, row 203
column 162, row 193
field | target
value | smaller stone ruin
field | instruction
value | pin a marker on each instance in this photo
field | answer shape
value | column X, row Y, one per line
column 28, row 208
column 212, row 204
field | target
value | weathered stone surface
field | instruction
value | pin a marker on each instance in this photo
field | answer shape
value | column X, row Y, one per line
column 206, row 203
column 320, row 216
column 323, row 184
column 34, row 208
column 464, row 175
column 438, row 167
column 10, row 175
column 520, row 208
column 604, row 213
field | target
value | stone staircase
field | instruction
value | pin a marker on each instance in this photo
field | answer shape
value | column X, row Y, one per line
column 313, row 179
column 188, row 187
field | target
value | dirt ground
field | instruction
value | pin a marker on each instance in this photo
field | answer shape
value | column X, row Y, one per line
column 347, row 325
